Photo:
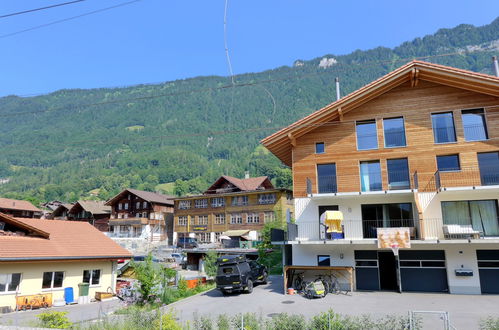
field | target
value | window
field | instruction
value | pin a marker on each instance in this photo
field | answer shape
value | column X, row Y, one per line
column 9, row 282
column 448, row 163
column 269, row 216
column 137, row 205
column 182, row 220
column 326, row 177
column 52, row 280
column 203, row 237
column 319, row 148
column 201, row 203
column 385, row 216
column 266, row 199
column 184, row 205
column 126, row 206
column 217, row 236
column 220, row 219
column 398, row 174
column 202, row 220
column 91, row 277
column 144, row 205
column 120, row 206
column 236, row 218
column 138, row 215
column 480, row 214
column 443, row 127
column 217, row 202
column 323, row 260
column 367, row 137
column 239, row 200
column 394, row 132
column 474, row 125
column 370, row 174
column 125, row 215
column 252, row 218
column 488, row 163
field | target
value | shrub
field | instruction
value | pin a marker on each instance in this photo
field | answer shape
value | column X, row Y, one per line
column 54, row 320
column 210, row 263
column 249, row 322
column 490, row 323
column 287, row 322
column 167, row 322
column 223, row 322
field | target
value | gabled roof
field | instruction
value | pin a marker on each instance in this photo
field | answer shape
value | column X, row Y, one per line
column 94, row 207
column 149, row 196
column 15, row 204
column 21, row 225
column 280, row 143
column 61, row 208
column 63, row 240
column 241, row 184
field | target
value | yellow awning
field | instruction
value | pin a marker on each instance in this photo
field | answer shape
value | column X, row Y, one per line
column 235, row 233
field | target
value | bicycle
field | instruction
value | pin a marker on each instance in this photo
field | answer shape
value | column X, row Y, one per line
column 299, row 282
column 331, row 283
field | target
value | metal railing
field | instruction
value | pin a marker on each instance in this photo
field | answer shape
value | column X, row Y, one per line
column 123, row 235
column 464, row 228
column 464, row 177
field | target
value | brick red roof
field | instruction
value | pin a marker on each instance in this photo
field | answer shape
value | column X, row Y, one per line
column 67, row 240
column 249, row 184
column 15, row 204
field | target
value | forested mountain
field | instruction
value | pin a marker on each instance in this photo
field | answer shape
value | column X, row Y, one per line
column 75, row 143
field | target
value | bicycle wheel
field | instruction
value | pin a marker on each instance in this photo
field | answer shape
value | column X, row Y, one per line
column 336, row 287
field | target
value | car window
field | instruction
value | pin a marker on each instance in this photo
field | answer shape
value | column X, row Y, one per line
column 228, row 270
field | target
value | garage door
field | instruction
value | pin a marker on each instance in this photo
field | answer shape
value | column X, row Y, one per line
column 366, row 270
column 423, row 271
column 488, row 269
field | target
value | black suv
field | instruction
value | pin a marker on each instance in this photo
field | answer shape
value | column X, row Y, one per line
column 236, row 273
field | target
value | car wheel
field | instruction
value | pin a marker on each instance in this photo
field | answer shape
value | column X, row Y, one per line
column 264, row 278
column 249, row 286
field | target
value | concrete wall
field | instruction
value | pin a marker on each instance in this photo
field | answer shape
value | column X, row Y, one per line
column 32, row 274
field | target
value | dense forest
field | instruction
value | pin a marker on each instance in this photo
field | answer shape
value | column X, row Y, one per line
column 178, row 136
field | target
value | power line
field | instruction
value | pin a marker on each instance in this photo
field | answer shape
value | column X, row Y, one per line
column 68, row 19
column 198, row 90
column 41, row 8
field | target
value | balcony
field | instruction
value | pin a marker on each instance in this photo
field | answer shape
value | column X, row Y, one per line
column 123, row 235
column 359, row 230
column 484, row 177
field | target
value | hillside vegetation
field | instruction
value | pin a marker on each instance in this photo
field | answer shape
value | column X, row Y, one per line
column 68, row 143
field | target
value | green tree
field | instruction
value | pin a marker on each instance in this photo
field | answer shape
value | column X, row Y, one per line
column 210, row 263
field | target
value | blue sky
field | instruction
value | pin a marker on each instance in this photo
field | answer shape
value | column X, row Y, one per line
column 160, row 40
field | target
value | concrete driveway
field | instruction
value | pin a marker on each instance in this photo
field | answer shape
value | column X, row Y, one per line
column 465, row 311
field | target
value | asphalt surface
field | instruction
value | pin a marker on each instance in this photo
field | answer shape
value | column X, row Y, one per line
column 465, row 311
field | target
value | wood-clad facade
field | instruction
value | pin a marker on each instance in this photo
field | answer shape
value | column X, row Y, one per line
column 415, row 104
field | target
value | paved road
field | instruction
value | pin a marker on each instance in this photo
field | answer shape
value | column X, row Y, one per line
column 76, row 313
column 465, row 310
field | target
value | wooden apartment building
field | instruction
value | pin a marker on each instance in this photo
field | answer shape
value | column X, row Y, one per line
column 231, row 207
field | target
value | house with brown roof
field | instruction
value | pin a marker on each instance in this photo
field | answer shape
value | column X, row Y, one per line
column 19, row 208
column 410, row 162
column 143, row 215
column 97, row 213
column 44, row 257
column 61, row 212
column 231, row 210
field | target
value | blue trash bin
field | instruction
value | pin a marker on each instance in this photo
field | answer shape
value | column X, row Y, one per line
column 68, row 295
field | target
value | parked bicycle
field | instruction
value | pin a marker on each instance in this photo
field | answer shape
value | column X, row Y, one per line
column 331, row 283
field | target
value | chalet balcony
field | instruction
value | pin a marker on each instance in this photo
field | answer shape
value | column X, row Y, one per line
column 470, row 177
column 358, row 230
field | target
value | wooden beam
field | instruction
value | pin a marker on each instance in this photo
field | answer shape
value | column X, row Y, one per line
column 340, row 112
column 292, row 139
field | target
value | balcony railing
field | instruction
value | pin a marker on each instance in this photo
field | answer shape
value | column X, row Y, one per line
column 464, row 177
column 426, row 229
column 123, row 235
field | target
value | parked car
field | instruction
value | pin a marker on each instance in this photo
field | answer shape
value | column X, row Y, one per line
column 180, row 259
column 143, row 258
column 187, row 242
column 236, row 273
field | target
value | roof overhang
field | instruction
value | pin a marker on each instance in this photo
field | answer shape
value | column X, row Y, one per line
column 19, row 223
column 282, row 142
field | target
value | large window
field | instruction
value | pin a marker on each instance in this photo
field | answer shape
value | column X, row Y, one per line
column 202, row 220
column 481, row 215
column 489, row 168
column 448, row 163
column 236, row 218
column 239, row 200
column 92, row 276
column 9, row 282
column 323, row 260
column 443, row 127
column 252, row 218
column 266, row 199
column 474, row 125
column 52, row 280
column 367, row 137
column 219, row 219
column 182, row 220
column 201, row 203
column 217, row 202
column 269, row 216
column 398, row 174
column 370, row 174
column 326, row 177
column 184, row 205
column 385, row 216
column 394, row 132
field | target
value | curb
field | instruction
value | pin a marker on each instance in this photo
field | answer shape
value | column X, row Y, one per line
column 182, row 300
